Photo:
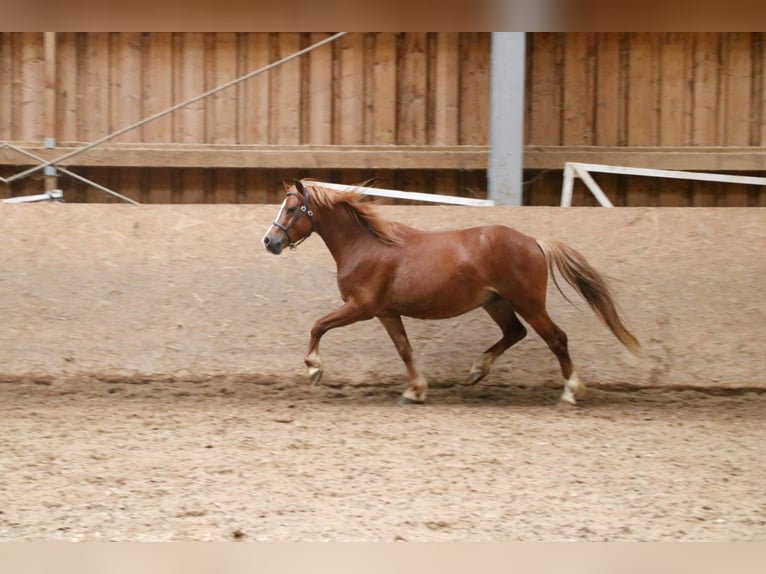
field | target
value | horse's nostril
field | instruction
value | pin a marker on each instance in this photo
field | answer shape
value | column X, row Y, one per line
column 266, row 241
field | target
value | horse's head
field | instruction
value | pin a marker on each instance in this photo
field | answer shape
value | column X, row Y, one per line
column 294, row 222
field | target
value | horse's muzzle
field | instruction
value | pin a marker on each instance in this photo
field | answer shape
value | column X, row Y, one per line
column 275, row 245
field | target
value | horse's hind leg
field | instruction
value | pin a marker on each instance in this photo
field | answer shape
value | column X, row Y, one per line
column 557, row 342
column 416, row 392
column 503, row 314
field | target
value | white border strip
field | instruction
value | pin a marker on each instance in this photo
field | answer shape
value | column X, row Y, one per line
column 53, row 195
column 409, row 195
column 581, row 170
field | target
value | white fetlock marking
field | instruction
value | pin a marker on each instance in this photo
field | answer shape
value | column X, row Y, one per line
column 568, row 397
column 573, row 388
column 314, row 364
column 417, row 395
column 482, row 364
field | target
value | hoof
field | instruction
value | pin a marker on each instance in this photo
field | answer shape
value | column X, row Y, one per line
column 476, row 376
column 315, row 375
column 404, row 401
column 565, row 405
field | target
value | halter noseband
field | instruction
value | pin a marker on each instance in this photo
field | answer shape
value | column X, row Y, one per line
column 304, row 210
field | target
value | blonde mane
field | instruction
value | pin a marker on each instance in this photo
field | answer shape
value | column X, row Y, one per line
column 387, row 232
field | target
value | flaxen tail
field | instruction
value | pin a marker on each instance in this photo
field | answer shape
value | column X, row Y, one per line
column 590, row 285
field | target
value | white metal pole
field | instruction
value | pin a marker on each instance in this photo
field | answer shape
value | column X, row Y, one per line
column 567, row 186
column 506, row 127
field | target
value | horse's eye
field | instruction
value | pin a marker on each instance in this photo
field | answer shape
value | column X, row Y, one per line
column 290, row 210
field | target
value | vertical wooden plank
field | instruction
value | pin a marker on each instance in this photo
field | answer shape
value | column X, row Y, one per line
column 543, row 188
column 16, row 82
column 222, row 116
column 74, row 190
column 641, row 192
column 66, row 87
column 674, row 192
column 99, row 174
column 545, row 89
column 94, row 106
column 189, row 81
column 158, row 90
column 446, row 89
column 224, row 186
column 31, row 102
column 255, row 128
column 160, row 185
column 81, row 51
column 125, row 88
column 319, row 104
column 349, row 80
column 608, row 105
column 472, row 183
column 411, row 96
column 760, row 195
column 736, row 90
column 144, row 186
column 758, row 95
column 706, row 89
column 642, row 99
column 6, row 83
column 411, row 180
column 50, row 40
column 50, row 135
column 735, row 195
column 286, row 91
column 127, row 181
column 368, row 71
column 705, row 193
column 383, row 128
column 675, row 89
column 259, row 186
column 193, row 186
column 579, row 82
column 474, row 88
column 444, row 182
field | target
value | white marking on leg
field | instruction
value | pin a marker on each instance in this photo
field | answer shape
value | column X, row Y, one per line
column 481, row 367
column 573, row 388
column 314, row 364
column 417, row 390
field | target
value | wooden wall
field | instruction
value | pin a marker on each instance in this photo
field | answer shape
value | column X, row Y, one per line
column 650, row 95
column 655, row 100
column 647, row 89
column 372, row 88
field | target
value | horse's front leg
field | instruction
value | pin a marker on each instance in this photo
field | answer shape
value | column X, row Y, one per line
column 416, row 392
column 350, row 312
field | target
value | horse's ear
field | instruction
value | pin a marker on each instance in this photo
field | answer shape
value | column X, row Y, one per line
column 299, row 186
column 286, row 185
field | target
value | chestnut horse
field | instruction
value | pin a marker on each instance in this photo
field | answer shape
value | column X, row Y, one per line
column 387, row 270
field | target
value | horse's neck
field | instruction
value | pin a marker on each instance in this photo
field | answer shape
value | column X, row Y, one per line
column 341, row 233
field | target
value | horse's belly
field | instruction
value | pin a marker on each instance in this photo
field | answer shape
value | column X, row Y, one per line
column 441, row 301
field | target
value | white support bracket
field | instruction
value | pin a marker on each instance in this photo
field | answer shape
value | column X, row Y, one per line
column 582, row 170
column 52, row 195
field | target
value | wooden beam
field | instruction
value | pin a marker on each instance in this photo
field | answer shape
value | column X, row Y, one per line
column 685, row 158
column 459, row 157
column 271, row 157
